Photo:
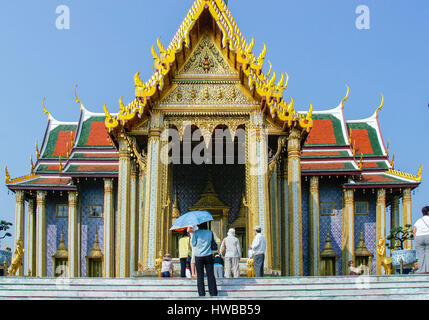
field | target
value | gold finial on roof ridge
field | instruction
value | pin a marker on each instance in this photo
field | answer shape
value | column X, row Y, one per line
column 346, row 97
column 392, row 163
column 7, row 179
column 381, row 105
column 361, row 161
column 31, row 164
column 44, row 108
column 77, row 99
column 417, row 177
column 37, row 151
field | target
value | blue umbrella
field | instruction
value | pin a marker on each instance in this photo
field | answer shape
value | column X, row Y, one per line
column 189, row 219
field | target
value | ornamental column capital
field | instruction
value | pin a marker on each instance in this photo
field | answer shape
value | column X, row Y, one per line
column 314, row 184
column 41, row 196
column 381, row 195
column 348, row 195
column 73, row 195
column 19, row 194
column 406, row 194
column 108, row 185
column 294, row 143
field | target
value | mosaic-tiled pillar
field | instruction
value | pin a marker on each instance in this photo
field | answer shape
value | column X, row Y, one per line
column 141, row 210
column 296, row 267
column 152, row 192
column 109, row 230
column 394, row 213
column 407, row 214
column 284, row 203
column 41, row 234
column 73, row 235
column 19, row 221
column 380, row 220
column 31, row 239
column 313, row 222
column 348, row 229
column 257, row 145
column 124, row 207
column 134, row 222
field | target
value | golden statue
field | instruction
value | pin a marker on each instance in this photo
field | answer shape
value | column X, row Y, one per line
column 250, row 268
column 140, row 266
column 158, row 264
column 386, row 262
column 17, row 260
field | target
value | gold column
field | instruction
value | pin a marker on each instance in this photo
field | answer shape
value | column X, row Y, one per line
column 348, row 229
column 407, row 214
column 380, row 220
column 31, row 239
column 284, row 203
column 142, row 184
column 109, row 230
column 73, row 236
column 123, row 215
column 19, row 221
column 394, row 213
column 295, row 204
column 314, row 226
column 134, row 219
column 41, row 234
column 153, row 206
column 257, row 155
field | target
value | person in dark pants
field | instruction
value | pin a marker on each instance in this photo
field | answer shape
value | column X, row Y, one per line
column 258, row 248
column 202, row 241
column 184, row 253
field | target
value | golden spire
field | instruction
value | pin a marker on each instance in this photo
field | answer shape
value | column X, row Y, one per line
column 7, row 179
column 381, row 105
column 176, row 211
column 37, row 151
column 44, row 108
column 31, row 164
column 346, row 97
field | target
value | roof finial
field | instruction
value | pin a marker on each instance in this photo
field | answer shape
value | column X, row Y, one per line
column 7, row 179
column 419, row 173
column 77, row 99
column 44, row 109
column 347, row 95
column 387, row 148
column 60, row 167
column 31, row 164
column 392, row 163
column 381, row 105
column 37, row 151
column 361, row 161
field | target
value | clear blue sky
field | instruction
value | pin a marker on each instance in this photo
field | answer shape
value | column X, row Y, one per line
column 315, row 42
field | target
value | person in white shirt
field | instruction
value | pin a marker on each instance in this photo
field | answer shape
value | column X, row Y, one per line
column 230, row 249
column 258, row 251
column 421, row 237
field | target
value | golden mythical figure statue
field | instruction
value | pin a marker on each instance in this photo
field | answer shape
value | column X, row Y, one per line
column 250, row 268
column 17, row 260
column 158, row 264
column 386, row 262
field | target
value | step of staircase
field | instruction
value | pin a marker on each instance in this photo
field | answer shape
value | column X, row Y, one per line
column 342, row 288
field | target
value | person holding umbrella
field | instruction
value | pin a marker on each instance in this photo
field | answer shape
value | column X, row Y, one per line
column 202, row 241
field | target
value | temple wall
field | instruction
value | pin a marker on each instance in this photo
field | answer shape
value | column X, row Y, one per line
column 367, row 223
column 331, row 190
column 91, row 193
column 305, row 186
column 54, row 225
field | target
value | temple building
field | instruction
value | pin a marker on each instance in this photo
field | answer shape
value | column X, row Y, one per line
column 103, row 192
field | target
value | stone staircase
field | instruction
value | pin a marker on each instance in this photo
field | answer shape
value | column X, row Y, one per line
column 342, row 288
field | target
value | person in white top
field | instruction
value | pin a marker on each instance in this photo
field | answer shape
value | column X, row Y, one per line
column 258, row 251
column 230, row 249
column 421, row 237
